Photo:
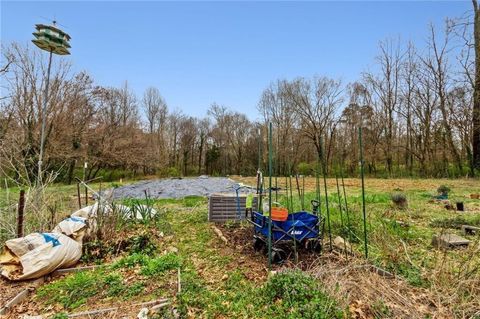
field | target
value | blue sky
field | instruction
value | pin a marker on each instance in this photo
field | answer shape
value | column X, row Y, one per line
column 197, row 53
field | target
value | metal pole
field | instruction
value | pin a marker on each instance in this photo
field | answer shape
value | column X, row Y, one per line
column 270, row 196
column 293, row 217
column 341, row 215
column 346, row 209
column 299, row 192
column 303, row 192
column 324, row 170
column 259, row 173
column 363, row 192
column 44, row 119
column 287, row 193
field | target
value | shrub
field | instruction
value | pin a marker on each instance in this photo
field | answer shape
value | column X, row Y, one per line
column 173, row 172
column 399, row 199
column 304, row 168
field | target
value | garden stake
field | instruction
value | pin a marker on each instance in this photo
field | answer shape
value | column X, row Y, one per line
column 276, row 187
column 346, row 209
column 341, row 215
column 326, row 193
column 298, row 188
column 293, row 220
column 270, row 197
column 303, row 192
column 340, row 208
column 363, row 192
column 259, row 172
column 291, row 192
column 286, row 191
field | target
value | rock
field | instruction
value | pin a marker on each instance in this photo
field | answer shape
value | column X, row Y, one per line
column 470, row 230
column 173, row 249
column 449, row 241
column 143, row 314
column 341, row 244
column 402, row 223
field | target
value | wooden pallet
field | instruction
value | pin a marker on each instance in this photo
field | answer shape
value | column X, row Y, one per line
column 223, row 207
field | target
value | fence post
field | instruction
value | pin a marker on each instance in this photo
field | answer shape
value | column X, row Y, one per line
column 86, row 196
column 79, row 198
column 21, row 209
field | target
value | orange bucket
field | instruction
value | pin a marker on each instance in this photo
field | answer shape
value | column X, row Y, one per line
column 279, row 214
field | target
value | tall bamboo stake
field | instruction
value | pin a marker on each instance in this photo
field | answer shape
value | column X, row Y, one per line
column 363, row 192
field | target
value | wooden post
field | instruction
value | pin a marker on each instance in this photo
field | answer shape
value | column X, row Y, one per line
column 79, row 198
column 21, row 208
column 86, row 196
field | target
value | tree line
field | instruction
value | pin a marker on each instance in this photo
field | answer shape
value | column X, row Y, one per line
column 416, row 107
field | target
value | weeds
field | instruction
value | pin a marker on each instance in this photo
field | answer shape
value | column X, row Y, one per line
column 74, row 290
column 400, row 200
column 159, row 265
column 295, row 294
column 455, row 222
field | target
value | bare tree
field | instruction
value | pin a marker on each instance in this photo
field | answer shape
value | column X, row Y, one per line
column 386, row 88
column 154, row 106
column 437, row 64
column 315, row 102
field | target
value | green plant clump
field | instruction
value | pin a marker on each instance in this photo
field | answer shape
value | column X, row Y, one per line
column 294, row 294
column 399, row 199
column 443, row 190
column 159, row 265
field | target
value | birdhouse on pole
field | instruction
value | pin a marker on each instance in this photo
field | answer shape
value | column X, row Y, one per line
column 51, row 39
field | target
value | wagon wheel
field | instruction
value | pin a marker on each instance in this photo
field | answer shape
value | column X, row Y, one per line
column 314, row 245
column 259, row 244
column 278, row 255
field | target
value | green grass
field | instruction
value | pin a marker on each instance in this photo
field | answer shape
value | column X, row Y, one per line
column 75, row 290
column 216, row 284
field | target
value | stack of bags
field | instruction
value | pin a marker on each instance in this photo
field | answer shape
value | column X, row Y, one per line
column 39, row 254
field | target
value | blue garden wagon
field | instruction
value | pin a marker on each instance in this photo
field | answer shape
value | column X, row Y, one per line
column 303, row 228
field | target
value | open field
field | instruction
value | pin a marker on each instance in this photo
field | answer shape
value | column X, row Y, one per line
column 230, row 280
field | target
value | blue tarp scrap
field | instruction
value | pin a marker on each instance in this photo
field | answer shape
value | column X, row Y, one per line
column 51, row 238
column 76, row 219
